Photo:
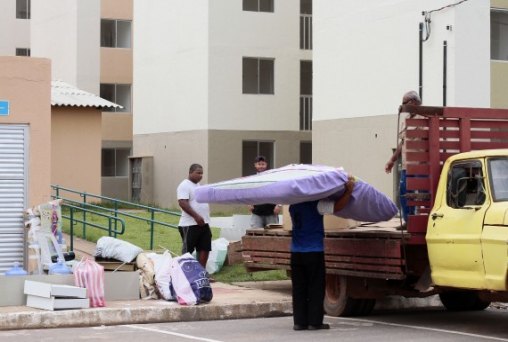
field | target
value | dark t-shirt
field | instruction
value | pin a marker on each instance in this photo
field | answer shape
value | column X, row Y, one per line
column 263, row 209
column 308, row 227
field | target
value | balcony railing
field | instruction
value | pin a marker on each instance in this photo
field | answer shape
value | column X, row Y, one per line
column 306, row 31
column 305, row 112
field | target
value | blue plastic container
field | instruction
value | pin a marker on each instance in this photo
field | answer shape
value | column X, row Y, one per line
column 16, row 270
column 59, row 268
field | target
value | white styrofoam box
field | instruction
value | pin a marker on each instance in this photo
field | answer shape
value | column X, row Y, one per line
column 47, row 290
column 117, row 286
column 53, row 303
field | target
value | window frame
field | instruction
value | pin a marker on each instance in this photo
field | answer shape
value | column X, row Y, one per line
column 115, row 161
column 26, row 10
column 495, row 198
column 460, row 197
column 115, row 40
column 245, row 4
column 248, row 158
column 23, row 52
column 505, row 12
column 125, row 108
column 259, row 78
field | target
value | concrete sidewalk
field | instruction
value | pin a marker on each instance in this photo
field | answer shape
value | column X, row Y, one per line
column 229, row 302
column 242, row 300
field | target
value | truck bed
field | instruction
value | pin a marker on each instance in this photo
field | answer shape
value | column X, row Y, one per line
column 372, row 250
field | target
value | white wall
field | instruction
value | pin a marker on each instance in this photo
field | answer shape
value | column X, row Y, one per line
column 366, row 55
column 15, row 33
column 234, row 34
column 68, row 32
column 170, row 66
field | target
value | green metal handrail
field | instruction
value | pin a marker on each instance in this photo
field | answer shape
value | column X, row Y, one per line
column 113, row 212
column 74, row 220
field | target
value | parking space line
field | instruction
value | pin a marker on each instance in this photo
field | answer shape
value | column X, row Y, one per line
column 170, row 333
column 422, row 328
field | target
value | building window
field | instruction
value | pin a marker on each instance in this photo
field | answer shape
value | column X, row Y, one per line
column 258, row 5
column 499, row 35
column 305, row 95
column 23, row 52
column 115, row 162
column 306, row 152
column 119, row 94
column 115, row 33
column 252, row 149
column 23, row 9
column 306, row 24
column 258, row 76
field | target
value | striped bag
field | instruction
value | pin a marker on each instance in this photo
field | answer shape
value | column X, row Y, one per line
column 90, row 275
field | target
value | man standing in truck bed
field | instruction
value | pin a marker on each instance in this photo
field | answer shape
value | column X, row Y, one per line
column 409, row 98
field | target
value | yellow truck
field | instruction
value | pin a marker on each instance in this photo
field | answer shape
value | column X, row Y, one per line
column 456, row 243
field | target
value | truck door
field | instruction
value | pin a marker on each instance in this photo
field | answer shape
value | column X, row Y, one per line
column 495, row 232
column 455, row 228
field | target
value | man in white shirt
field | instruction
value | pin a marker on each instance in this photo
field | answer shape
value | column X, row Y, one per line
column 193, row 225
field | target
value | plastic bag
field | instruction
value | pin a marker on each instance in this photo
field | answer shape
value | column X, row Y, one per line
column 90, row 275
column 162, row 268
column 217, row 256
column 190, row 281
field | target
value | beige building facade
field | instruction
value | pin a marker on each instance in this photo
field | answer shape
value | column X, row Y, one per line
column 76, row 148
column 116, row 80
column 25, row 148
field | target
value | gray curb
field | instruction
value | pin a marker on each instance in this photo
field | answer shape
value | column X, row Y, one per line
column 150, row 314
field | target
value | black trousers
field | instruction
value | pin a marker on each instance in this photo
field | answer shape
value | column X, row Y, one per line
column 308, row 280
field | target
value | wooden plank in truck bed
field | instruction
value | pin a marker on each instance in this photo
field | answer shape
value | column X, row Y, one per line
column 371, row 250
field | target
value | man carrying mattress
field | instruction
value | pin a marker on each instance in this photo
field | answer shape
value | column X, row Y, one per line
column 308, row 258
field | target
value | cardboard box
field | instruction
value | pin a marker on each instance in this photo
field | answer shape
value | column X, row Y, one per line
column 331, row 222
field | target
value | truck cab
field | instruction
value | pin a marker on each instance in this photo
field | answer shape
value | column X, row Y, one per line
column 467, row 231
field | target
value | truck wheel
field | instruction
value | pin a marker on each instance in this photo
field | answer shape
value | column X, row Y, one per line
column 338, row 303
column 463, row 301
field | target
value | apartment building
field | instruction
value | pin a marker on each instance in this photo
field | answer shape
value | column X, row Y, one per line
column 217, row 83
column 359, row 80
column 90, row 47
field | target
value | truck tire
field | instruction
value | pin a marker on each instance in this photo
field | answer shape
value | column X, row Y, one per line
column 338, row 303
column 463, row 301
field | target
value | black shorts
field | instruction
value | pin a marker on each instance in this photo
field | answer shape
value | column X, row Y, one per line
column 196, row 237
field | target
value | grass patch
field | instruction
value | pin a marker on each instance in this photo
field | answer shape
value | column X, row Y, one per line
column 238, row 273
column 138, row 231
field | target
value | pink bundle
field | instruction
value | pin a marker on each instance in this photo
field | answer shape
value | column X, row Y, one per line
column 90, row 275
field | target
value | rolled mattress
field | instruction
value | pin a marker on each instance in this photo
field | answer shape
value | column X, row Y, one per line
column 301, row 183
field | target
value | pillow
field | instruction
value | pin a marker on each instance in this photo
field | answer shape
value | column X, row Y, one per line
column 111, row 248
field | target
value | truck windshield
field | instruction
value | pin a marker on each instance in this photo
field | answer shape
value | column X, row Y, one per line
column 499, row 176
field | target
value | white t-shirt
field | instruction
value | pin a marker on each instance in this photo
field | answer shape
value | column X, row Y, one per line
column 186, row 191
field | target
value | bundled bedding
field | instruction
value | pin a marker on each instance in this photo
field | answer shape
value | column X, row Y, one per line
column 294, row 183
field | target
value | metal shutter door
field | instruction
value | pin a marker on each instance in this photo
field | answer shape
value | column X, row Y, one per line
column 13, row 168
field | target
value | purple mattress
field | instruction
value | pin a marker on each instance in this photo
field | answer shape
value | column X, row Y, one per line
column 301, row 183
